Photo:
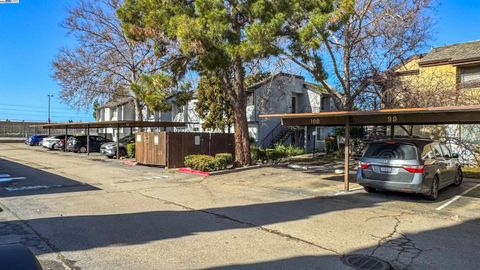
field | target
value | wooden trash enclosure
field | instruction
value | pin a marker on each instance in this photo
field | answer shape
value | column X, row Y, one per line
column 168, row 149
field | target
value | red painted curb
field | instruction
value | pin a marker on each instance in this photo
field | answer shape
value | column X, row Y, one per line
column 130, row 163
column 190, row 171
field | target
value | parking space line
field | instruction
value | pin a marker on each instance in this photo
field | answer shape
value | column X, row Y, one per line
column 457, row 197
column 11, row 179
column 4, row 175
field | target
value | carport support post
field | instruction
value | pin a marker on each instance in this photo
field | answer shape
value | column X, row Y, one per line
column 88, row 140
column 118, row 141
column 66, row 139
column 392, row 131
column 346, row 171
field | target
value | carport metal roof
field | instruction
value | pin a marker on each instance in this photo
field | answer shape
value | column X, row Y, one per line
column 391, row 117
column 112, row 124
column 109, row 124
column 408, row 116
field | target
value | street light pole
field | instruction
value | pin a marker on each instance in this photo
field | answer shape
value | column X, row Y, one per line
column 49, row 97
column 49, row 119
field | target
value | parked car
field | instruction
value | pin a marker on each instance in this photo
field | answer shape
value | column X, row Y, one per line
column 409, row 165
column 110, row 149
column 35, row 140
column 50, row 142
column 79, row 143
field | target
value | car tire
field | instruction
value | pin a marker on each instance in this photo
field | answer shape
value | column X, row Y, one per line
column 82, row 149
column 433, row 195
column 458, row 178
column 123, row 152
column 370, row 189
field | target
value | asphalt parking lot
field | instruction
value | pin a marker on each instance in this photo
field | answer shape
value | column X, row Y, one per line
column 78, row 212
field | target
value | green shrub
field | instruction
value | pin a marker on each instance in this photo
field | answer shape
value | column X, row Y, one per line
column 203, row 163
column 281, row 150
column 208, row 163
column 131, row 150
column 294, row 151
column 258, row 154
column 274, row 155
column 223, row 159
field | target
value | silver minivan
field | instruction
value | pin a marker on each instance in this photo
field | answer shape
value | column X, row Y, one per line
column 409, row 165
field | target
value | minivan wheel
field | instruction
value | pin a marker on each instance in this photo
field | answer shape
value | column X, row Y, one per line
column 370, row 189
column 458, row 178
column 434, row 190
column 83, row 149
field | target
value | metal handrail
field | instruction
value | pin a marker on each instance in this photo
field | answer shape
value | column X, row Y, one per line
column 271, row 134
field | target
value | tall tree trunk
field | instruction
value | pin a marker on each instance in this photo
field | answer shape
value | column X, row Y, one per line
column 138, row 110
column 242, row 142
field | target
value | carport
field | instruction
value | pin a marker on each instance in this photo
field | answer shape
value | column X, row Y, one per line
column 387, row 117
column 109, row 124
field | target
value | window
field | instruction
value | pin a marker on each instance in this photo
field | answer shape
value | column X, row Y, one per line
column 391, row 151
column 446, row 152
column 427, row 153
column 250, row 99
column 179, row 109
column 437, row 151
column 294, row 105
column 470, row 77
column 325, row 103
column 320, row 133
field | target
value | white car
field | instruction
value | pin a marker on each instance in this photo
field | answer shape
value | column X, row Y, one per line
column 50, row 142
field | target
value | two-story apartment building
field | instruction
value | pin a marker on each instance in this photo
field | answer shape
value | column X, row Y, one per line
column 453, row 69
column 280, row 93
column 445, row 76
column 122, row 109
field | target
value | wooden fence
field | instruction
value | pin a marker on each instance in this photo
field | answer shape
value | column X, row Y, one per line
column 168, row 149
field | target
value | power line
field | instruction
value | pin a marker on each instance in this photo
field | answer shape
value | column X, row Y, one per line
column 45, row 111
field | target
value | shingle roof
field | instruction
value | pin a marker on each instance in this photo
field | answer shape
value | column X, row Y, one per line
column 460, row 52
column 315, row 87
column 116, row 103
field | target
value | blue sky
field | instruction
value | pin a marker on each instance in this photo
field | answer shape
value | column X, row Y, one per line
column 31, row 35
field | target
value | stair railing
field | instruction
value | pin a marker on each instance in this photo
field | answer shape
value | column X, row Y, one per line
column 267, row 140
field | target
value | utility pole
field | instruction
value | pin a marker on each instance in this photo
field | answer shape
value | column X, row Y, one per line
column 49, row 120
column 49, row 97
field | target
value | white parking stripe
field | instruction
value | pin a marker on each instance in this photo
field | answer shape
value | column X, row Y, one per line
column 5, row 175
column 11, row 179
column 457, row 197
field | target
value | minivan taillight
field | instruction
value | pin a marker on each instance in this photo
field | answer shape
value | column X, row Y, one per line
column 363, row 165
column 414, row 168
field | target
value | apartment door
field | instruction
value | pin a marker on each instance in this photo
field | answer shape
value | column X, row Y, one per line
column 294, row 105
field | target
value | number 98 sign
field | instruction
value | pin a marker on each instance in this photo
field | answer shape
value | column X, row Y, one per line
column 392, row 119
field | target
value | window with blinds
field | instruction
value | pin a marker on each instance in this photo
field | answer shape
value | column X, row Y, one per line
column 470, row 77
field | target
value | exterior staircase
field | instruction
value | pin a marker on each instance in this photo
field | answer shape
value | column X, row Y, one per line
column 279, row 135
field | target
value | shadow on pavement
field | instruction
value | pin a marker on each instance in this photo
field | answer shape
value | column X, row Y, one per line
column 20, row 180
column 454, row 247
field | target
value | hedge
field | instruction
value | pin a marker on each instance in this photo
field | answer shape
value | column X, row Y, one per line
column 131, row 150
column 274, row 155
column 208, row 163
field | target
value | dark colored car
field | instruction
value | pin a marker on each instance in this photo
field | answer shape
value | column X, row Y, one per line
column 110, row 149
column 79, row 143
column 35, row 140
column 409, row 165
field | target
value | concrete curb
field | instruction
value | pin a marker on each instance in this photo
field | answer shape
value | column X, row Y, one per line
column 258, row 166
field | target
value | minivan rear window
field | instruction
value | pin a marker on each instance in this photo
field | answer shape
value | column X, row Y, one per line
column 391, row 151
